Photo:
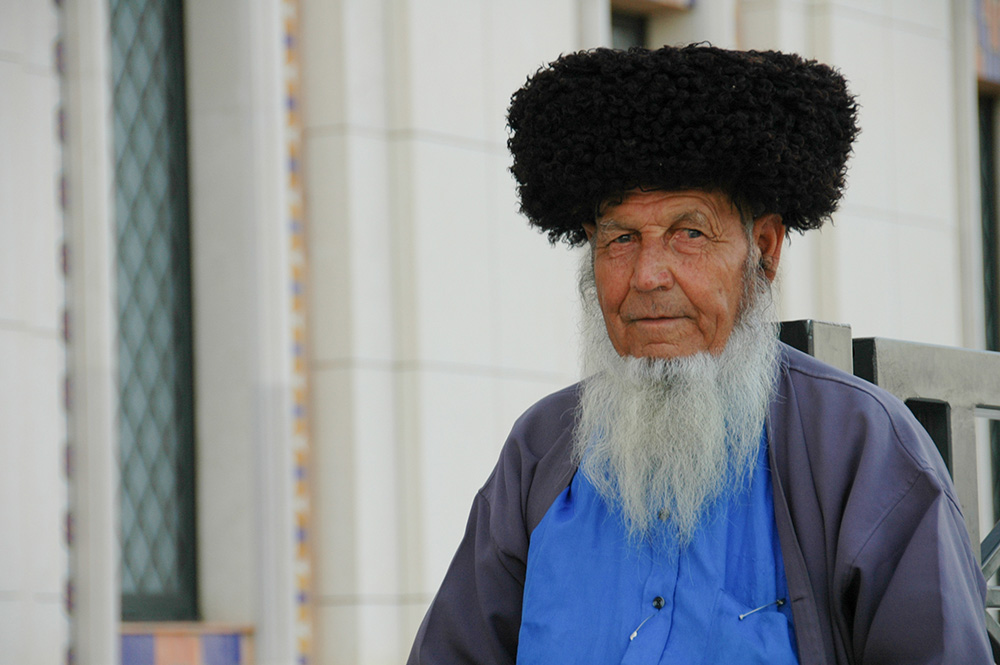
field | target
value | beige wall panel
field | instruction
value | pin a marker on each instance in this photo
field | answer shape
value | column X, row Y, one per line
column 32, row 354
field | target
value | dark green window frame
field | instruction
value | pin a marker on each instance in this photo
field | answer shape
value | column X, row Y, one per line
column 628, row 29
column 991, row 256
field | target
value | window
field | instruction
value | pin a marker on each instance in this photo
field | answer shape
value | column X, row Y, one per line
column 154, row 312
column 627, row 30
column 649, row 23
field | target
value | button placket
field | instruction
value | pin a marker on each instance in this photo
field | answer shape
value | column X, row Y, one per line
column 649, row 639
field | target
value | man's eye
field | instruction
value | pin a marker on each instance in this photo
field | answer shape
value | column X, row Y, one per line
column 622, row 239
column 693, row 233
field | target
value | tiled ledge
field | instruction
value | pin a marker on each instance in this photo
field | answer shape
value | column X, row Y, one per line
column 185, row 643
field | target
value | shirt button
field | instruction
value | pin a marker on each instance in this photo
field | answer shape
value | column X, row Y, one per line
column 658, row 603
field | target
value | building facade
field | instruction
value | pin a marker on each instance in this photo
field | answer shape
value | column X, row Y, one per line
column 365, row 312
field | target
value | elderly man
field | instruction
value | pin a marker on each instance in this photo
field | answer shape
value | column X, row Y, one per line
column 707, row 495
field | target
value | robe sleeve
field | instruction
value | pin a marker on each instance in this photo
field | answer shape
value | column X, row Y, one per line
column 916, row 587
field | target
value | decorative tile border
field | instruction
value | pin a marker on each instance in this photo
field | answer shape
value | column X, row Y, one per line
column 988, row 40
column 185, row 644
column 301, row 437
column 62, row 196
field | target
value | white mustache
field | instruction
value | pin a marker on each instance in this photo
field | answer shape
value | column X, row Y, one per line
column 637, row 311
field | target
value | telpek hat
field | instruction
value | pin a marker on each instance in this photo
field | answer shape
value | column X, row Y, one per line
column 772, row 130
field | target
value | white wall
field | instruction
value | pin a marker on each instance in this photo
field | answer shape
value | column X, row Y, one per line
column 891, row 265
column 33, row 562
column 242, row 334
column 438, row 314
column 92, row 354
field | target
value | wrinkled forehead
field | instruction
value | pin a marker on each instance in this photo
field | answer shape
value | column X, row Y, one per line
column 712, row 207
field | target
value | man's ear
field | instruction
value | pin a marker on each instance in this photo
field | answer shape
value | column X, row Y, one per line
column 590, row 229
column 769, row 236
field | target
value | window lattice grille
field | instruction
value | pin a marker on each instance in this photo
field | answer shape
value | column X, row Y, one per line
column 154, row 311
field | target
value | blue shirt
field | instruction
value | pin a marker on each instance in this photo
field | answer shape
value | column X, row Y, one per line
column 590, row 596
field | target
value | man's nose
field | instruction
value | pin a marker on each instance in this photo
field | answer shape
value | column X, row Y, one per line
column 654, row 266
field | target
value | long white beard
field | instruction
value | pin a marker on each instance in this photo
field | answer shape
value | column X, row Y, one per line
column 662, row 439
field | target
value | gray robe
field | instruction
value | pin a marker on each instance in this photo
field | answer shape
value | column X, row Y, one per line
column 878, row 561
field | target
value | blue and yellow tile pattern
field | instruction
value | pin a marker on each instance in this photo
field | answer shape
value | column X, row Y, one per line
column 301, row 437
column 187, row 647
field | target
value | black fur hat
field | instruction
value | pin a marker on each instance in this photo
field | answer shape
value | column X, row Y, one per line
column 771, row 130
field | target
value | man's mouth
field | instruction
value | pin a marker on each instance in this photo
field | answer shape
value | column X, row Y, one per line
column 654, row 319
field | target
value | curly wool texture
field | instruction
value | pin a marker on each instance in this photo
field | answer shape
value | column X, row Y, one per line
column 770, row 129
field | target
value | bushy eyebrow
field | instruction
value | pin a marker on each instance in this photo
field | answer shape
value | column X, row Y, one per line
column 690, row 216
column 604, row 225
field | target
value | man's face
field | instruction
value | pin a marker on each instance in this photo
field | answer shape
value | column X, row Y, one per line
column 669, row 270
